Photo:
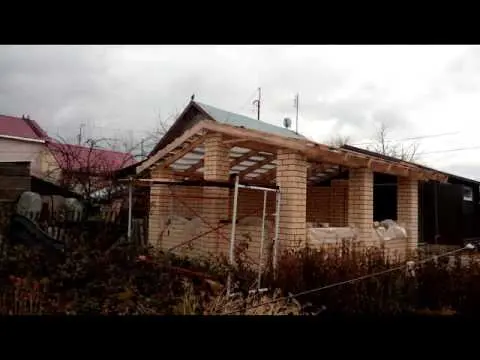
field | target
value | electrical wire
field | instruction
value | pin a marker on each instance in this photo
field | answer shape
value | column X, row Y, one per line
column 409, row 138
column 451, row 150
column 346, row 282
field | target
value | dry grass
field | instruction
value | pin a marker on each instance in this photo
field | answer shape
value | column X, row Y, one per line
column 221, row 304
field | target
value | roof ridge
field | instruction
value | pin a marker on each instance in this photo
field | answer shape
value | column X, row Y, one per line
column 230, row 112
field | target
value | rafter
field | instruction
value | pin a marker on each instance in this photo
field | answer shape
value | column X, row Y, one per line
column 258, row 165
column 193, row 169
column 316, row 152
column 197, row 130
column 242, row 158
column 234, row 141
column 188, row 146
column 268, row 176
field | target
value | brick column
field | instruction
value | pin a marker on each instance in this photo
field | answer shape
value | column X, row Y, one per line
column 216, row 168
column 292, row 180
column 360, row 204
column 407, row 209
column 160, row 208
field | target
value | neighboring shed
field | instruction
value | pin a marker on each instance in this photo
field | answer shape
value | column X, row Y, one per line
column 16, row 178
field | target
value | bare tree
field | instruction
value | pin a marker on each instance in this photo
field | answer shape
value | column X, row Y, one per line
column 384, row 146
column 152, row 138
column 85, row 168
column 339, row 141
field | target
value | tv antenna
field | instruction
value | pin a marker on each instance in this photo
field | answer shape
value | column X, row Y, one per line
column 296, row 105
column 257, row 102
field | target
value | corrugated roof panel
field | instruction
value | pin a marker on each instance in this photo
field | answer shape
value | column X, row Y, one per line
column 184, row 161
column 193, row 156
column 247, row 163
column 179, row 166
column 239, row 150
column 226, row 117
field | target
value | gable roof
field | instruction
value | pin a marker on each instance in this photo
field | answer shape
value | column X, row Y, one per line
column 95, row 160
column 23, row 128
column 196, row 111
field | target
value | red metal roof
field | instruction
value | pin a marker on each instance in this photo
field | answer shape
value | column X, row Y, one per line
column 89, row 159
column 20, row 127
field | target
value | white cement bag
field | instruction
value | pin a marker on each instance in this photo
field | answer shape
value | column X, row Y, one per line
column 29, row 205
column 74, row 209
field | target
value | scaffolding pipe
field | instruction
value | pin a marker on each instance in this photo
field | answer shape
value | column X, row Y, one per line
column 129, row 231
column 262, row 240
column 252, row 187
column 232, row 235
column 277, row 230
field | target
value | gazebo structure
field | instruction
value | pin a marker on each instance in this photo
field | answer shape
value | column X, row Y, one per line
column 209, row 147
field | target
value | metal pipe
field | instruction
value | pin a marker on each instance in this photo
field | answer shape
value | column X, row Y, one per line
column 129, row 231
column 262, row 239
column 252, row 187
column 276, row 239
column 221, row 184
column 232, row 234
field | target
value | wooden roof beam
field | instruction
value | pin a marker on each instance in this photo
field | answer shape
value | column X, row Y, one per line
column 268, row 175
column 196, row 130
column 193, row 169
column 258, row 165
column 317, row 152
column 236, row 161
column 183, row 151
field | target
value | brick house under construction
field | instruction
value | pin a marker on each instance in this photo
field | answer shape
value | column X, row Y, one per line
column 317, row 183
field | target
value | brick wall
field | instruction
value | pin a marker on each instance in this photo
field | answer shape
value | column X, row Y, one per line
column 216, row 200
column 159, row 208
column 292, row 180
column 339, row 203
column 328, row 204
column 318, row 204
column 407, row 209
column 360, row 204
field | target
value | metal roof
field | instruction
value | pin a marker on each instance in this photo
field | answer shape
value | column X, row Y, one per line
column 390, row 158
column 229, row 118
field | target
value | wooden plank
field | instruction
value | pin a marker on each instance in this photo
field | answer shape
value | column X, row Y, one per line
column 234, row 141
column 15, row 169
column 183, row 151
column 242, row 158
column 268, row 176
column 258, row 165
column 193, row 169
column 269, row 143
column 195, row 130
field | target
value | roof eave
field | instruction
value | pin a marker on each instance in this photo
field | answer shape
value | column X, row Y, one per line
column 20, row 138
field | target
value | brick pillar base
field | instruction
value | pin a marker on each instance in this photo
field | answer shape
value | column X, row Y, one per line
column 407, row 209
column 360, row 204
column 160, row 209
column 292, row 180
column 216, row 201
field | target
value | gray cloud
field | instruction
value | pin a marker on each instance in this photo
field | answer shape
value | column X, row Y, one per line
column 118, row 87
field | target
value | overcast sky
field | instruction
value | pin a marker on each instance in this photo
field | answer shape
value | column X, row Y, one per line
column 417, row 91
